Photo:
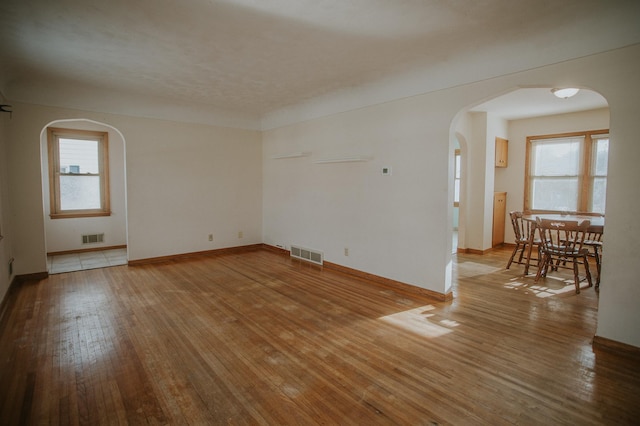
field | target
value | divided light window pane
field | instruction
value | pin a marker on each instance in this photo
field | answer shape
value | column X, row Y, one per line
column 599, row 174
column 600, row 156
column 556, row 166
column 79, row 192
column 79, row 156
column 559, row 157
column 599, row 192
column 559, row 194
column 456, row 191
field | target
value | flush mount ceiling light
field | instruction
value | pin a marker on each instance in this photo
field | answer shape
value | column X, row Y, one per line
column 565, row 93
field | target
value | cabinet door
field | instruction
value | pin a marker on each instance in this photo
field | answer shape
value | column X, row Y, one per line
column 499, row 217
column 502, row 152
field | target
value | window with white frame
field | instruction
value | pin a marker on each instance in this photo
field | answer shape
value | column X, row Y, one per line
column 567, row 172
column 78, row 173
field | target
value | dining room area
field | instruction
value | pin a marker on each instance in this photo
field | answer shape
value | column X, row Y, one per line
column 562, row 220
column 545, row 170
column 535, row 196
column 547, row 243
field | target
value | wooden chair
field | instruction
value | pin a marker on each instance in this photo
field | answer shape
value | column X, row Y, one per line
column 525, row 241
column 593, row 241
column 562, row 242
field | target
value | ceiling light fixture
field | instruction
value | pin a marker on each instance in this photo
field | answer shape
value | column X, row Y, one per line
column 565, row 93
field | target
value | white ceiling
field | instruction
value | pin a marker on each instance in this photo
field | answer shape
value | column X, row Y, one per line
column 252, row 58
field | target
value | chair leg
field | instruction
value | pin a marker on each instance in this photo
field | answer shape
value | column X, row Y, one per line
column 576, row 276
column 515, row 250
column 596, row 255
column 528, row 247
column 524, row 247
column 547, row 262
column 586, row 268
column 542, row 268
column 538, row 258
column 558, row 262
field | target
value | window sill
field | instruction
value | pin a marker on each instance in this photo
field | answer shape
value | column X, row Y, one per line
column 76, row 215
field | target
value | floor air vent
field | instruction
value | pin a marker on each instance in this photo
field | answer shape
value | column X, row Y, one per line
column 309, row 255
column 92, row 238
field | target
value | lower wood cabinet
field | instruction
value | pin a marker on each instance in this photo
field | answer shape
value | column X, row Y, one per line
column 499, row 217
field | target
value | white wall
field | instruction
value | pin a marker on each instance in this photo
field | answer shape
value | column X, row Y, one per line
column 184, row 181
column 480, row 130
column 187, row 181
column 496, row 127
column 478, row 199
column 388, row 223
column 5, row 227
column 66, row 234
column 462, row 130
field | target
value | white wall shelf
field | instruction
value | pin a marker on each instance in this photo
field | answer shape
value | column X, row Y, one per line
column 352, row 159
column 291, row 155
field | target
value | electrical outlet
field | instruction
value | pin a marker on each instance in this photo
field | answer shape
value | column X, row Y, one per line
column 240, row 234
column 346, row 251
column 210, row 237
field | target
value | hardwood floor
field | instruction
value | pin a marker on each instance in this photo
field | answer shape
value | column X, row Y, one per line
column 257, row 338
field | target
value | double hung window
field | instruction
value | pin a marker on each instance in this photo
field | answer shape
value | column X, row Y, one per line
column 78, row 173
column 567, row 173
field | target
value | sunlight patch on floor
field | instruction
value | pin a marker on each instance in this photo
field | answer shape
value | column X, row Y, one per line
column 418, row 321
column 543, row 288
column 471, row 269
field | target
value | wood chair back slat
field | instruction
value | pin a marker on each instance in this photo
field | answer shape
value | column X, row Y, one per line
column 563, row 241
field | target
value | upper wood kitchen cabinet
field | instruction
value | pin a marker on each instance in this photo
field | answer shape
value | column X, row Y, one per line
column 502, row 152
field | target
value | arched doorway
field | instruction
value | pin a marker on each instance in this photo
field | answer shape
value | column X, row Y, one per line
column 84, row 241
column 512, row 116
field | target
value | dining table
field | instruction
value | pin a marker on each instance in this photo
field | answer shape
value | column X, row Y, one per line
column 596, row 226
column 597, row 221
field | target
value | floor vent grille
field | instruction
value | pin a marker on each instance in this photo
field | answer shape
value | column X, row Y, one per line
column 309, row 255
column 92, row 238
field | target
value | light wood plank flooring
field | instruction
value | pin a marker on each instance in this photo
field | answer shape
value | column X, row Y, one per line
column 257, row 338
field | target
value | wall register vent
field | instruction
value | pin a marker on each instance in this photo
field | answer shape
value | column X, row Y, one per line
column 309, row 255
column 92, row 238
